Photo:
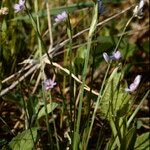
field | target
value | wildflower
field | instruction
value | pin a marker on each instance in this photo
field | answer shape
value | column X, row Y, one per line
column 138, row 10
column 20, row 6
column 134, row 85
column 115, row 56
column 4, row 11
column 49, row 84
column 61, row 17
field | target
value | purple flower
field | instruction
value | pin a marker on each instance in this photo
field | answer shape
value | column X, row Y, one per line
column 20, row 6
column 134, row 85
column 115, row 56
column 61, row 17
column 49, row 84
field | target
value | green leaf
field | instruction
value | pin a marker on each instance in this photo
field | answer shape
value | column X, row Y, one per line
column 105, row 43
column 143, row 142
column 50, row 108
column 24, row 140
column 94, row 21
column 81, row 52
column 115, row 99
column 130, row 138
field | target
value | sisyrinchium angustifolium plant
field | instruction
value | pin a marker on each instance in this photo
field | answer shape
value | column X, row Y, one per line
column 73, row 75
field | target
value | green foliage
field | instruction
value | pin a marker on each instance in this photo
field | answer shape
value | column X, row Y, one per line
column 24, row 140
column 30, row 34
column 127, row 49
column 143, row 142
column 50, row 108
column 114, row 100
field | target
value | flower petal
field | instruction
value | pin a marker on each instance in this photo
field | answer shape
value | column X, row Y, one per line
column 61, row 17
column 106, row 57
column 116, row 55
column 137, row 80
column 134, row 85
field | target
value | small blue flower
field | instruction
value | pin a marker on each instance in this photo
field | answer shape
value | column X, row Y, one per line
column 49, row 84
column 115, row 56
column 134, row 85
column 20, row 6
column 61, row 17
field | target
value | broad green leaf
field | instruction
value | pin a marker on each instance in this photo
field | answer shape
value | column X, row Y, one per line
column 143, row 142
column 114, row 100
column 24, row 140
column 50, row 108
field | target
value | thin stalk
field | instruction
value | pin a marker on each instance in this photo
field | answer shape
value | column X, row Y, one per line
column 92, row 29
column 37, row 25
column 97, row 104
column 69, row 32
column 38, row 34
column 51, row 45
column 123, row 33
column 46, row 113
column 137, row 109
column 44, row 47
column 38, row 28
column 49, row 25
column 26, row 113
column 55, row 130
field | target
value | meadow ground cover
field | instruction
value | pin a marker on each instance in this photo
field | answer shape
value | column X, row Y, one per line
column 74, row 75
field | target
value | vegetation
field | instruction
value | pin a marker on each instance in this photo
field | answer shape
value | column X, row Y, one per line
column 74, row 75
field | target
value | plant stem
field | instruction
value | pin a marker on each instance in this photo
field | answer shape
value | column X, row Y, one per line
column 92, row 29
